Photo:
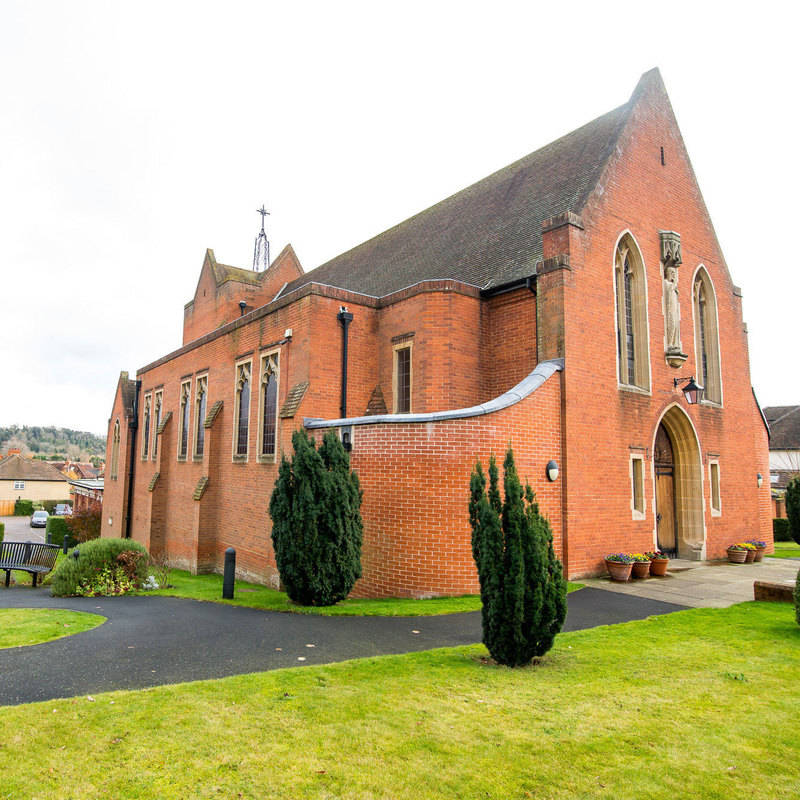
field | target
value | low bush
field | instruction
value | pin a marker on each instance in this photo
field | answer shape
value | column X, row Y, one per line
column 2, row 530
column 23, row 508
column 780, row 530
column 793, row 507
column 56, row 529
column 103, row 566
column 84, row 526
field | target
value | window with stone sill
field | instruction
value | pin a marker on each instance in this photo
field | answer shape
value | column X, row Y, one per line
column 241, row 422
column 184, row 420
column 157, row 407
column 146, row 427
column 706, row 337
column 268, row 408
column 716, row 502
column 200, row 393
column 115, row 452
column 402, row 378
column 637, row 488
column 630, row 289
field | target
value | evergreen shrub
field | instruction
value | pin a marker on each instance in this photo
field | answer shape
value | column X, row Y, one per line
column 797, row 598
column 523, row 590
column 2, row 531
column 793, row 507
column 316, row 521
column 56, row 529
column 23, row 508
column 780, row 530
column 73, row 575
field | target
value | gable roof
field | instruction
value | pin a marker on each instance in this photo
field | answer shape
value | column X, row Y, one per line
column 19, row 468
column 784, row 426
column 489, row 234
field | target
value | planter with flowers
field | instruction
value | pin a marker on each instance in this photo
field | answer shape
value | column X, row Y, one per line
column 619, row 566
column 640, row 566
column 737, row 554
column 760, row 548
column 658, row 563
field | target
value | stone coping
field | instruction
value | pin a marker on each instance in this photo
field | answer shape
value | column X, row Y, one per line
column 526, row 386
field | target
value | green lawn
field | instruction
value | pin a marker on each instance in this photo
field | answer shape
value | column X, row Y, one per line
column 698, row 704
column 786, row 550
column 253, row 595
column 25, row 626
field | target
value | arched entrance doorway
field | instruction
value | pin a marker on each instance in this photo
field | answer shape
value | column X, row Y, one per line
column 680, row 527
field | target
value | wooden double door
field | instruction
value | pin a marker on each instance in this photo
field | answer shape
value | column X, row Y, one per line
column 666, row 518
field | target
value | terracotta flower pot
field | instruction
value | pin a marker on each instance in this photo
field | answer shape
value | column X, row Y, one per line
column 760, row 553
column 658, row 567
column 737, row 556
column 751, row 556
column 641, row 569
column 619, row 571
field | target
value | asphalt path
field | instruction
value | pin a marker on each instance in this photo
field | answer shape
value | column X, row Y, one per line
column 151, row 641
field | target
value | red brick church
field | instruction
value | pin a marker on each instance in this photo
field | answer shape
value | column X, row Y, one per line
column 559, row 305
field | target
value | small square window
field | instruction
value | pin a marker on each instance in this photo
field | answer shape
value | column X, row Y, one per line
column 19, row 485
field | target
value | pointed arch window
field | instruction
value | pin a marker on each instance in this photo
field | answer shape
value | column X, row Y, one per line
column 200, row 392
column 706, row 336
column 115, row 452
column 630, row 288
column 157, row 406
column 268, row 404
column 146, row 427
column 186, row 408
column 241, row 423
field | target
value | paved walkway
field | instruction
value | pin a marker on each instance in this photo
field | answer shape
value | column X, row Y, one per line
column 150, row 641
column 704, row 584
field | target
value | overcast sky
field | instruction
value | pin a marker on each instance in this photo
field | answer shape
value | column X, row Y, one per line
column 136, row 135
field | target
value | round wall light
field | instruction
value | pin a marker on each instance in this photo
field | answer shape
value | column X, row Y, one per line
column 552, row 470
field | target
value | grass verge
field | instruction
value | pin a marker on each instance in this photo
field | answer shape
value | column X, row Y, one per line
column 26, row 626
column 786, row 550
column 701, row 703
column 253, row 595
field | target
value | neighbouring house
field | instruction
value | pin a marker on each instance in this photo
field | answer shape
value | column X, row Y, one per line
column 23, row 478
column 560, row 305
column 79, row 471
column 784, row 452
column 87, row 495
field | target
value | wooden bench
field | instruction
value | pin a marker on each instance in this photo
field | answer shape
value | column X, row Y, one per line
column 36, row 559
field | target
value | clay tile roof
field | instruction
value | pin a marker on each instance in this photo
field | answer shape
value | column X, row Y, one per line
column 784, row 426
column 19, row 468
column 489, row 234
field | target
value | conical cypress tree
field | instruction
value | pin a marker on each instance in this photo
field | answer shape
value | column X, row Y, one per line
column 793, row 507
column 523, row 591
column 316, row 522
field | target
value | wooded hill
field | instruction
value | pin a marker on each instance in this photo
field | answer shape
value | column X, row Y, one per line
column 51, row 442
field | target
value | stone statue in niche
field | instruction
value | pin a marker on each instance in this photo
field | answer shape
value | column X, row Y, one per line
column 671, row 259
column 672, row 310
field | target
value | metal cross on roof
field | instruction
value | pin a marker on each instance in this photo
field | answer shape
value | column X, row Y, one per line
column 261, row 249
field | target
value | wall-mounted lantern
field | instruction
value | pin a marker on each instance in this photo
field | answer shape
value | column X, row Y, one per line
column 692, row 392
column 552, row 470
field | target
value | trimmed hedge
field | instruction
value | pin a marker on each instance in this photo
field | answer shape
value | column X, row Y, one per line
column 23, row 508
column 2, row 530
column 56, row 529
column 93, row 557
column 780, row 530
